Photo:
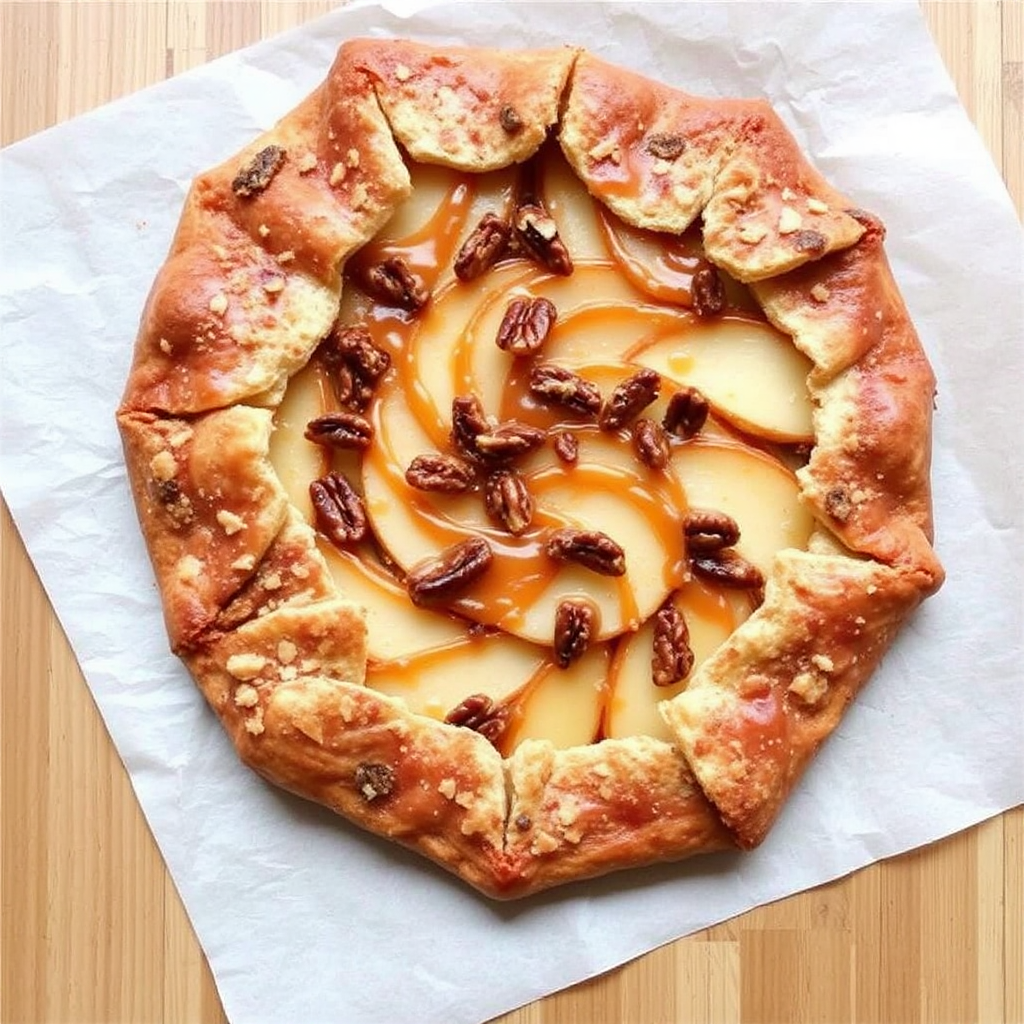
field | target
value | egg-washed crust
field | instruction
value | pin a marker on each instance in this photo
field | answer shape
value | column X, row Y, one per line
column 252, row 284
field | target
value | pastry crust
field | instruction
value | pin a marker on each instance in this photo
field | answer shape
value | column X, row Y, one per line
column 252, row 285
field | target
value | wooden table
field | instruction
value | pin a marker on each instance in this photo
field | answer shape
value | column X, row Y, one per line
column 93, row 930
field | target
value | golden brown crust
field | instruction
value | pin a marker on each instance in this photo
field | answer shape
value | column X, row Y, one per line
column 589, row 810
column 210, row 506
column 660, row 158
column 251, row 286
column 757, row 711
column 475, row 110
column 873, row 385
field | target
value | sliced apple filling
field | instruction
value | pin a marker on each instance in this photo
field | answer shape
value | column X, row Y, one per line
column 551, row 455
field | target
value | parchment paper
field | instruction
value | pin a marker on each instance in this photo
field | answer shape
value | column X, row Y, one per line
column 305, row 918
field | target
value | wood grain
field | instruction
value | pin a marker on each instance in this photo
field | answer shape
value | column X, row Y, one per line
column 93, row 930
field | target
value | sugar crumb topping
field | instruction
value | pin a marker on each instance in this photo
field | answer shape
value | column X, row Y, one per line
column 286, row 652
column 163, row 466
column 246, row 695
column 246, row 665
column 219, row 304
column 230, row 522
column 752, row 233
column 789, row 221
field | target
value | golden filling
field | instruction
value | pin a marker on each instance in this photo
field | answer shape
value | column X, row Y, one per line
column 552, row 460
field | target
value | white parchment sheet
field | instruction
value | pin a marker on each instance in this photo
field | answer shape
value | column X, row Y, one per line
column 305, row 918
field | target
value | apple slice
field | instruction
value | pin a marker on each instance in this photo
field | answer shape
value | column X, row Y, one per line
column 711, row 615
column 751, row 373
column 564, row 706
column 759, row 492
column 435, row 681
column 573, row 210
column 663, row 266
column 396, row 629
column 297, row 461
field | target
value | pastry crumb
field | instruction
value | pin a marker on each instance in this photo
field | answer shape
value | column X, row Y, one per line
column 263, row 230
column 789, row 221
column 247, row 696
column 402, row 73
column 823, row 662
column 230, row 523
column 360, row 196
column 338, row 172
column 245, row 666
column 446, row 787
column 163, row 466
column 820, row 293
column 815, row 205
column 306, row 163
column 244, row 564
column 809, row 687
column 286, row 652
column 752, row 233
column 254, row 723
column 543, row 842
column 219, row 304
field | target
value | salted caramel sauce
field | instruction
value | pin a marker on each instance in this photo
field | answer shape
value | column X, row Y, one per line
column 613, row 310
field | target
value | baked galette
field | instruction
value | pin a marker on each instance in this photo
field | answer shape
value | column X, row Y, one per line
column 534, row 459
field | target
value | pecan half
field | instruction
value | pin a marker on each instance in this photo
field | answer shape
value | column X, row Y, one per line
column 440, row 579
column 727, row 569
column 650, row 442
column 537, row 232
column 509, row 119
column 339, row 510
column 556, row 385
column 340, row 430
column 590, row 548
column 686, row 413
column 525, row 326
column 356, row 347
column 354, row 365
column 575, row 626
column 508, row 441
column 838, row 504
column 468, row 423
column 392, row 281
column 810, row 241
column 507, row 500
column 665, row 146
column 259, row 172
column 709, row 530
column 479, row 713
column 483, row 248
column 443, row 473
column 629, row 399
column 707, row 292
column 374, row 780
column 672, row 656
column 566, row 446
